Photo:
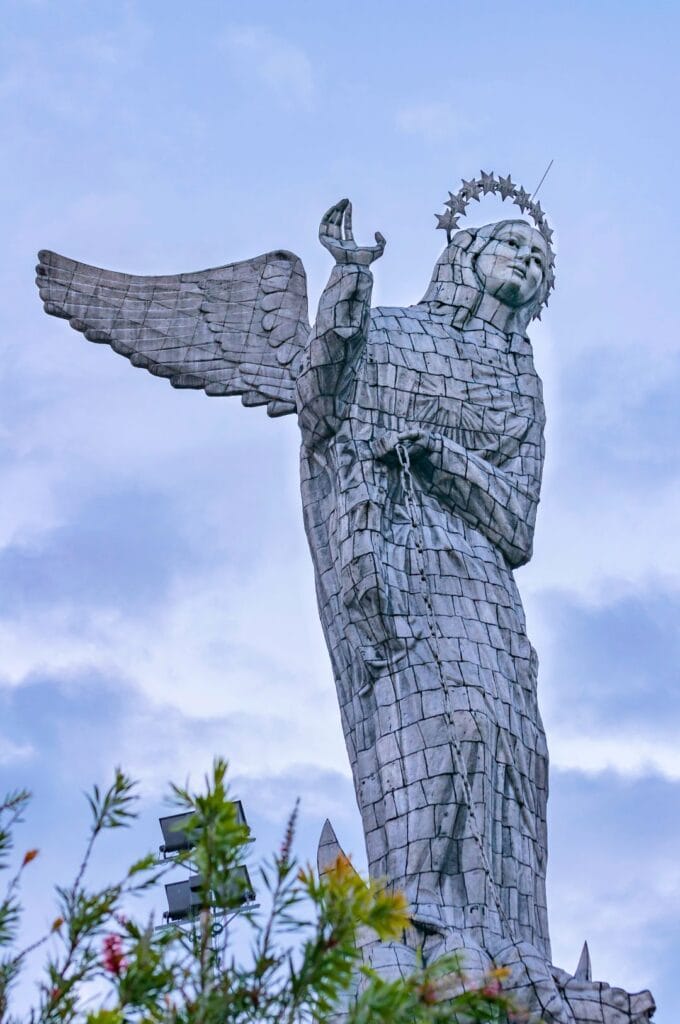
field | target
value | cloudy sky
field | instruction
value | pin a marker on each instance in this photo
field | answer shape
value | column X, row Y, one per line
column 156, row 595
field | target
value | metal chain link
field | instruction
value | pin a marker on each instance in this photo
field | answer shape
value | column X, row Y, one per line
column 414, row 513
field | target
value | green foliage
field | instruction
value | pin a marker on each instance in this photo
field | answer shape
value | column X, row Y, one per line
column 104, row 968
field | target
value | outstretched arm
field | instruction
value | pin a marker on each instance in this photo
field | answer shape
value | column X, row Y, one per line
column 341, row 324
column 499, row 503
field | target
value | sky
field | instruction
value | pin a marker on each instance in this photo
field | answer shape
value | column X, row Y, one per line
column 156, row 593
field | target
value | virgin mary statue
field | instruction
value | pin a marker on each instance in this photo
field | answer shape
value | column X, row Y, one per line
column 422, row 454
column 421, row 461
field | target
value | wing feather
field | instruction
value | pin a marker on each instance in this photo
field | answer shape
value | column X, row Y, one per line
column 239, row 329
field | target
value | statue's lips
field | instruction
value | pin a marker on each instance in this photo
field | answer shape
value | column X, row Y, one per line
column 517, row 269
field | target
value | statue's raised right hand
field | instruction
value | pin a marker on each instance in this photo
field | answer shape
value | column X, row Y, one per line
column 335, row 234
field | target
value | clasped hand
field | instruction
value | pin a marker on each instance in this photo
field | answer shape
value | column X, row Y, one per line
column 418, row 444
column 335, row 234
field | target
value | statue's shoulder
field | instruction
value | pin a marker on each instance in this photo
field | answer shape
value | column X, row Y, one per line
column 391, row 318
column 403, row 322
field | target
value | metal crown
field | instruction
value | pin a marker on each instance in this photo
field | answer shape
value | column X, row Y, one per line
column 506, row 188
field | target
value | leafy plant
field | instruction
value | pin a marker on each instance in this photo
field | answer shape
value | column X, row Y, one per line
column 102, row 967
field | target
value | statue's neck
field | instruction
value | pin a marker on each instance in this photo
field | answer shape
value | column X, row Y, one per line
column 501, row 316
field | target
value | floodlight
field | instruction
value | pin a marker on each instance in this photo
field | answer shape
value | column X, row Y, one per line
column 175, row 838
column 186, row 900
column 239, row 890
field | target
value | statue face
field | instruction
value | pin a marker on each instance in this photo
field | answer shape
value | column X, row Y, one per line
column 513, row 263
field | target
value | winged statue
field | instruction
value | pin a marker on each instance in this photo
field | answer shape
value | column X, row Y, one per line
column 421, row 464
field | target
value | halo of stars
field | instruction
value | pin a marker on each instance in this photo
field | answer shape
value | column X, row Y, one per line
column 458, row 203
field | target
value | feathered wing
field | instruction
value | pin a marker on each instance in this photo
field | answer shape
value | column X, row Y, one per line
column 235, row 330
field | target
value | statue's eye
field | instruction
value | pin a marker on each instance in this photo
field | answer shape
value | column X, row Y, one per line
column 512, row 243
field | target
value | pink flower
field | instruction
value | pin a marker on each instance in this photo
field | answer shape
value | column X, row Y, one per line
column 112, row 955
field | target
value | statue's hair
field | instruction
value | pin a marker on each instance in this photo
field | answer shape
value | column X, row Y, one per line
column 455, row 281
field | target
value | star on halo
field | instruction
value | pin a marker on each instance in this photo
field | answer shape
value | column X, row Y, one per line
column 547, row 232
column 488, row 182
column 457, row 204
column 506, row 187
column 448, row 221
column 471, row 189
column 522, row 199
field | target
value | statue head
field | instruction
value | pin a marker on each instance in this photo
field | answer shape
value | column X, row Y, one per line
column 499, row 272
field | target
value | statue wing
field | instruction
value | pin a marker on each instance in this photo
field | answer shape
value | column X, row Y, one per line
column 235, row 330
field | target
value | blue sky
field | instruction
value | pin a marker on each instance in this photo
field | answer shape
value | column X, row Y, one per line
column 156, row 596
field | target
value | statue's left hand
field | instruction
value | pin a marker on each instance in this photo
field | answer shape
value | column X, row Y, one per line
column 335, row 234
column 418, row 444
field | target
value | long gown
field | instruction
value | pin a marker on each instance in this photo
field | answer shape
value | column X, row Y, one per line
column 395, row 597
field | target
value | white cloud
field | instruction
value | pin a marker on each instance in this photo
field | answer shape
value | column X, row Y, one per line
column 281, row 67
column 611, row 489
column 618, row 907
column 28, row 506
column 219, row 647
column 157, row 746
column 628, row 754
column 601, row 543
column 10, row 751
column 68, row 81
column 433, row 122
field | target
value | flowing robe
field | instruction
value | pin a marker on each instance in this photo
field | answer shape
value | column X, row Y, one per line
column 368, row 375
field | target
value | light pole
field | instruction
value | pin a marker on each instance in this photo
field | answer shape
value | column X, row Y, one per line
column 187, row 899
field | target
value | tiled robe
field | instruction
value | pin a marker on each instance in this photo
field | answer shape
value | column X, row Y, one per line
column 369, row 375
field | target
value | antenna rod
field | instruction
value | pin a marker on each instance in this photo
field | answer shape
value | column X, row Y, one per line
column 545, row 175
